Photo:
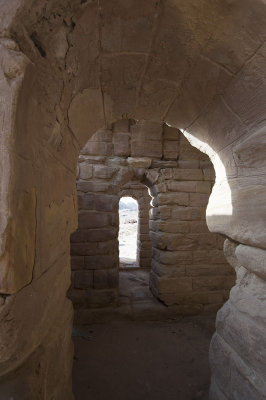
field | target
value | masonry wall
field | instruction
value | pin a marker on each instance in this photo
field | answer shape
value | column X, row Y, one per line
column 187, row 264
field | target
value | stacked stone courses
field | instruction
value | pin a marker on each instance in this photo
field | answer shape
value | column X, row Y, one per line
column 186, row 261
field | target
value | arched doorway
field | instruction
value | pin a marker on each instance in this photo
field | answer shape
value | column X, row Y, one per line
column 128, row 232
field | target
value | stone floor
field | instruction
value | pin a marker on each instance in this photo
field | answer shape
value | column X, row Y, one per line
column 159, row 360
column 141, row 350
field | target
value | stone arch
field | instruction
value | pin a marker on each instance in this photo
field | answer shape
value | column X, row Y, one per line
column 230, row 55
column 188, row 268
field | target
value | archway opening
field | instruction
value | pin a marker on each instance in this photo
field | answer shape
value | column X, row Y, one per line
column 128, row 232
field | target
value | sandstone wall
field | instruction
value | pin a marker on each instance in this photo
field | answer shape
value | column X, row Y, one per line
column 188, row 267
column 69, row 68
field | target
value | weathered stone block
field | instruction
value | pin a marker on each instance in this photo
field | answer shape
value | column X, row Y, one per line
column 198, row 199
column 146, row 131
column 102, row 261
column 93, row 186
column 83, row 279
column 97, row 202
column 209, row 256
column 82, row 249
column 187, row 213
column 168, row 271
column 109, row 247
column 170, row 149
column 172, row 285
column 139, row 162
column 188, row 174
column 77, row 262
column 105, row 279
column 213, row 283
column 170, row 133
column 209, row 174
column 171, row 257
column 173, row 198
column 121, row 143
column 209, row 270
column 85, row 170
column 170, row 227
column 146, row 149
column 96, row 235
column 189, row 164
column 94, row 219
column 198, row 227
column 103, row 171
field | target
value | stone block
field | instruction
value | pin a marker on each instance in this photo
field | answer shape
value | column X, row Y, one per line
column 97, row 202
column 209, row 270
column 82, row 249
column 170, row 133
column 145, row 262
column 170, row 226
column 105, row 279
column 146, row 149
column 83, row 279
column 77, row 262
column 94, row 219
column 145, row 253
column 213, row 283
column 121, row 145
column 85, row 170
column 206, row 164
column 209, row 256
column 208, row 174
column 198, row 199
column 144, row 244
column 109, row 247
column 146, row 131
column 188, row 174
column 95, row 235
column 199, row 227
column 181, row 199
column 92, row 159
column 167, row 173
column 171, row 257
column 169, row 271
column 189, row 164
column 93, row 186
column 182, row 186
column 139, row 162
column 103, row 171
column 170, row 149
column 187, row 213
column 171, row 285
column 143, row 229
column 164, row 164
column 100, row 261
